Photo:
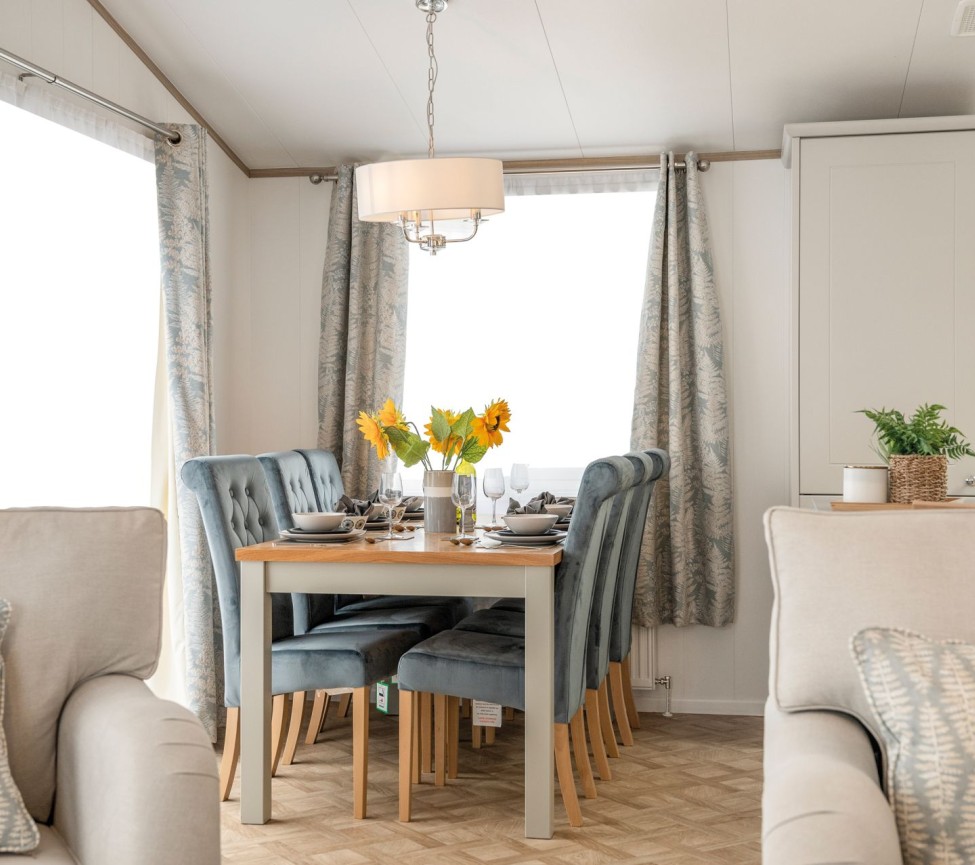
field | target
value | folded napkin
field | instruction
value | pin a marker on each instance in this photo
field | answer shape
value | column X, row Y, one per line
column 537, row 504
column 372, row 508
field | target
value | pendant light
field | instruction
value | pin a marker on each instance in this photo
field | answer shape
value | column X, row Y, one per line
column 419, row 193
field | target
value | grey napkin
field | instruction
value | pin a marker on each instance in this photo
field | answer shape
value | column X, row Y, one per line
column 358, row 507
column 537, row 504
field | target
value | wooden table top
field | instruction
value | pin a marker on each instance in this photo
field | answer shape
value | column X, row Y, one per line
column 424, row 548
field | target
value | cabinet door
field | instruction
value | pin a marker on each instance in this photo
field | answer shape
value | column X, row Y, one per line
column 886, row 292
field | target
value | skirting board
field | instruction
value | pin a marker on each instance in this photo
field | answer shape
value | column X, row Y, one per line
column 656, row 701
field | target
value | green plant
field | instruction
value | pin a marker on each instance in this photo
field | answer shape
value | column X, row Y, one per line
column 926, row 433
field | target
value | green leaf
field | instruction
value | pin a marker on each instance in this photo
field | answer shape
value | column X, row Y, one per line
column 925, row 433
column 438, row 424
column 472, row 451
column 409, row 447
column 464, row 425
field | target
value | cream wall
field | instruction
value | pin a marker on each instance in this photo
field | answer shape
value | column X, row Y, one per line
column 267, row 245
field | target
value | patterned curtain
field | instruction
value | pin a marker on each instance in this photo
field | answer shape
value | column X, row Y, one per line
column 363, row 338
column 680, row 405
column 181, row 189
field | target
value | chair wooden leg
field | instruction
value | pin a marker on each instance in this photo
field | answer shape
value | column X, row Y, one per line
column 344, row 702
column 294, row 728
column 476, row 736
column 453, row 735
column 489, row 734
column 596, row 736
column 231, row 753
column 606, row 721
column 619, row 703
column 407, row 752
column 426, row 732
column 360, row 751
column 581, row 754
column 465, row 707
column 567, row 783
column 415, row 745
column 632, row 715
column 509, row 713
column 319, row 711
column 280, row 712
column 440, row 739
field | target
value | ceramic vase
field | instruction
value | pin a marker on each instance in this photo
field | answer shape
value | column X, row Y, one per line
column 439, row 512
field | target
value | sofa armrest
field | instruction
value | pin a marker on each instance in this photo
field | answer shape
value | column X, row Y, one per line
column 136, row 778
column 822, row 800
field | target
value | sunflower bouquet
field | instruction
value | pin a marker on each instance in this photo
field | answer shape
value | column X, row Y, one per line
column 459, row 437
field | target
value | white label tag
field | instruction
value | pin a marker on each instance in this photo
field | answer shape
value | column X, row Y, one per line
column 486, row 714
column 382, row 696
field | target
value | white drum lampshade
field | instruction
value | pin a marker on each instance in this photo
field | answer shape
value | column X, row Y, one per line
column 441, row 188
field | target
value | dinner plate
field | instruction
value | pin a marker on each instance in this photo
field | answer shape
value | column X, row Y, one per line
column 506, row 536
column 322, row 537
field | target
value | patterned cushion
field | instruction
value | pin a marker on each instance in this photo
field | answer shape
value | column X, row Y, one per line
column 923, row 694
column 18, row 832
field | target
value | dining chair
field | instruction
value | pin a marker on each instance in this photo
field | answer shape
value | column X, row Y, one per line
column 491, row 667
column 511, row 622
column 236, row 507
column 621, row 633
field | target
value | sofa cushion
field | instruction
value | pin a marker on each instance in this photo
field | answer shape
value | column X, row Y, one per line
column 837, row 573
column 86, row 584
column 18, row 832
column 923, row 693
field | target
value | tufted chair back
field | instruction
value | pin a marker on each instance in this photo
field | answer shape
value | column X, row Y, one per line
column 601, row 621
column 325, row 476
column 292, row 490
column 236, row 507
column 575, row 578
column 621, row 636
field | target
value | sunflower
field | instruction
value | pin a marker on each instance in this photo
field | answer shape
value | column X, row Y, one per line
column 452, row 443
column 489, row 426
column 370, row 427
column 389, row 415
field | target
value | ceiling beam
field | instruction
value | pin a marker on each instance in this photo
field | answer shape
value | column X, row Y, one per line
column 161, row 77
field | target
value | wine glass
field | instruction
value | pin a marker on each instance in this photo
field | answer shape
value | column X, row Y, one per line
column 519, row 477
column 390, row 494
column 463, row 493
column 493, row 485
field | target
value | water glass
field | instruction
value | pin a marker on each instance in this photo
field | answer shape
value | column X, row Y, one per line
column 493, row 486
column 390, row 494
column 463, row 493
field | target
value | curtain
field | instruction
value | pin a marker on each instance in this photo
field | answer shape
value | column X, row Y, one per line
column 363, row 337
column 181, row 188
column 687, row 576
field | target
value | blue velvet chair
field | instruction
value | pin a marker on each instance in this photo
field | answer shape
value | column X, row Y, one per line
column 237, row 511
column 621, row 633
column 491, row 666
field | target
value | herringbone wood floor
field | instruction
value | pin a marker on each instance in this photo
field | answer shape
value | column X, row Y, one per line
column 687, row 793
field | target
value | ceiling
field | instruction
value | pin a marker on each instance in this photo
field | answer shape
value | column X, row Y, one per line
column 314, row 83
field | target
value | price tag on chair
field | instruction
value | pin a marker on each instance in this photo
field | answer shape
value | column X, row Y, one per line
column 485, row 714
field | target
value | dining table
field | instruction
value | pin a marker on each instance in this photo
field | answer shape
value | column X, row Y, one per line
column 426, row 564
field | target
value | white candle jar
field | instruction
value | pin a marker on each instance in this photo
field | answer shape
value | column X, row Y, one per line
column 865, row 484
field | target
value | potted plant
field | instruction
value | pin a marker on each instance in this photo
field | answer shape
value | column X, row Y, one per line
column 917, row 450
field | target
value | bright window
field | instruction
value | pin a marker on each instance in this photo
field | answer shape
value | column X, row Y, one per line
column 79, row 317
column 542, row 308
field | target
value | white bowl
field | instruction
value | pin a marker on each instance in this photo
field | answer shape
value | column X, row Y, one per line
column 319, row 522
column 530, row 524
column 559, row 510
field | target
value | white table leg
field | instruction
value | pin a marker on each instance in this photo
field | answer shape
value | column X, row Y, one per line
column 255, row 695
column 539, row 688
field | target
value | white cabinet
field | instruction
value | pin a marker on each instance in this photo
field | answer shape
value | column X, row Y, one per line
column 884, row 285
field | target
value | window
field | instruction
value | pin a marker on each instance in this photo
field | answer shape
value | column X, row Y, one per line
column 542, row 309
column 79, row 316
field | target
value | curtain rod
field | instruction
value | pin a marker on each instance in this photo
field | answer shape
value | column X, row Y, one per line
column 30, row 69
column 552, row 166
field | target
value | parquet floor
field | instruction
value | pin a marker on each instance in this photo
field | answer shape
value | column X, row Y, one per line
column 687, row 793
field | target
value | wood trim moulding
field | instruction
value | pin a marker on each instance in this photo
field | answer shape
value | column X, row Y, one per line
column 161, row 77
column 540, row 166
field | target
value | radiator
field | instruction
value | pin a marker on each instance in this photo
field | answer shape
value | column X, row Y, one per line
column 643, row 667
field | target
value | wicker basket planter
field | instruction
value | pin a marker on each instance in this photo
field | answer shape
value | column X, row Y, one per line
column 916, row 478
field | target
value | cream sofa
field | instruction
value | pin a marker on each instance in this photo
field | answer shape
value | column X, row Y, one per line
column 113, row 775
column 835, row 574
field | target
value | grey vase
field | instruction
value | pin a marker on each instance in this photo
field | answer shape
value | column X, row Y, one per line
column 439, row 512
